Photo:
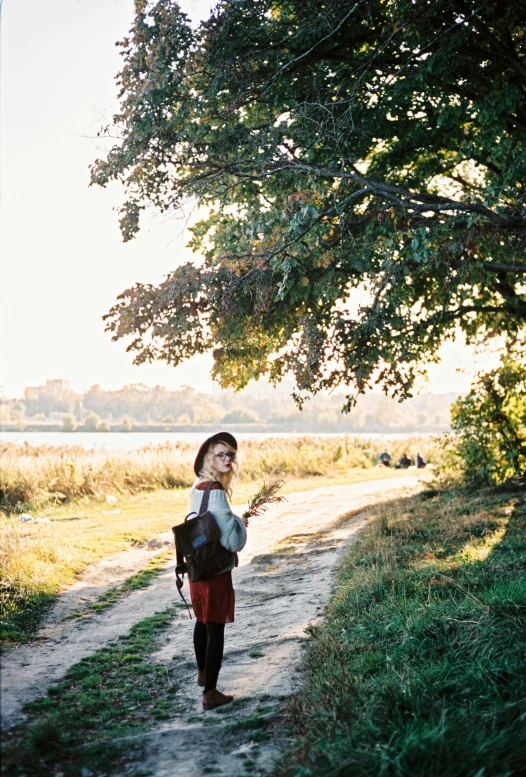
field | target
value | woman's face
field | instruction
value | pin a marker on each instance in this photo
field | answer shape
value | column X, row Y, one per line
column 222, row 458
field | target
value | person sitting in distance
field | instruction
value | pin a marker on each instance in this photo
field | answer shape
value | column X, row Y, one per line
column 385, row 459
column 420, row 463
column 404, row 462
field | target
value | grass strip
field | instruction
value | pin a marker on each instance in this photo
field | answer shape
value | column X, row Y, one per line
column 114, row 692
column 140, row 579
column 418, row 668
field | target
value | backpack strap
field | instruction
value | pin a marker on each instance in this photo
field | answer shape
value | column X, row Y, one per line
column 179, row 584
column 206, row 497
column 180, row 569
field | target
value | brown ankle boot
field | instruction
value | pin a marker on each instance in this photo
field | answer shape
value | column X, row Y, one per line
column 201, row 678
column 213, row 699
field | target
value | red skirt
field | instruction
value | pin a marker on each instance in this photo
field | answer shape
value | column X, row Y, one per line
column 213, row 599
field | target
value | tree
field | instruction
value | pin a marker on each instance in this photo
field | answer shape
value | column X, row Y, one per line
column 241, row 416
column 207, row 412
column 335, row 147
column 92, row 422
column 126, row 424
column 69, row 423
column 491, row 423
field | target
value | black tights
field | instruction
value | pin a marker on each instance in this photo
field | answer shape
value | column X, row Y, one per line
column 209, row 640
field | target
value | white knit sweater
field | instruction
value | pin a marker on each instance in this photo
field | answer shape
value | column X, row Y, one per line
column 233, row 532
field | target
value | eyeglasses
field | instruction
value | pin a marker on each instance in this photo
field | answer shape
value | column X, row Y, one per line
column 224, row 456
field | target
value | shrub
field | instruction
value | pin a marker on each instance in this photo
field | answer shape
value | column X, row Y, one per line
column 68, row 423
column 92, row 422
column 491, row 424
column 126, row 424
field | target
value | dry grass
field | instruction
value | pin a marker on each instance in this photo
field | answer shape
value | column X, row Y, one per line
column 32, row 477
column 38, row 560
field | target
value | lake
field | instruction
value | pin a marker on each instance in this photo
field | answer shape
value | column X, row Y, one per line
column 131, row 440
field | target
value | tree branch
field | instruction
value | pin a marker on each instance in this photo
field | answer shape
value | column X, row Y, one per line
column 313, row 47
column 508, row 56
column 496, row 267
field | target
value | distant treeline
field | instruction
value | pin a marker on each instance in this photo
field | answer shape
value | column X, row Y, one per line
column 261, row 406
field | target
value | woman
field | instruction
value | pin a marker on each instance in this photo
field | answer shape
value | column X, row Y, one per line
column 213, row 599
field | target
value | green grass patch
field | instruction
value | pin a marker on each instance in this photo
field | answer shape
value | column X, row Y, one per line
column 259, row 736
column 238, row 703
column 22, row 612
column 140, row 579
column 248, row 724
column 418, row 668
column 112, row 693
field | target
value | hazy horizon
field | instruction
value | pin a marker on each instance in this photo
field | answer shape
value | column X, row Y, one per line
column 253, row 388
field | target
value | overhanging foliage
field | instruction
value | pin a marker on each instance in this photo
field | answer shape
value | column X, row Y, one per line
column 335, row 146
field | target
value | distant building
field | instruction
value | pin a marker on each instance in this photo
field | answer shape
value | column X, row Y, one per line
column 53, row 388
column 58, row 386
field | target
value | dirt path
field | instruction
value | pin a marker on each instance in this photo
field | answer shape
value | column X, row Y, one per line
column 282, row 583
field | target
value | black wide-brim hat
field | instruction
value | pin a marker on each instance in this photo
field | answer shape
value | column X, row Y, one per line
column 219, row 437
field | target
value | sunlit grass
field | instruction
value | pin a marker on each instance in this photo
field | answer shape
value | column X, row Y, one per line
column 37, row 561
column 418, row 668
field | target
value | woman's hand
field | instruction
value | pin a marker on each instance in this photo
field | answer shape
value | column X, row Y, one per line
column 245, row 520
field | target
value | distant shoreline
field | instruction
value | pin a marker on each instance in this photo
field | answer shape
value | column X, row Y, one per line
column 133, row 441
column 205, row 428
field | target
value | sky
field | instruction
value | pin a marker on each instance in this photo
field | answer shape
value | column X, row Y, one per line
column 62, row 259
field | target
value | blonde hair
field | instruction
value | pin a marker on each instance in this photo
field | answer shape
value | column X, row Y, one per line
column 209, row 472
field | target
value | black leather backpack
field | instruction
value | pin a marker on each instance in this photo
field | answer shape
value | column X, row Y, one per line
column 199, row 552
